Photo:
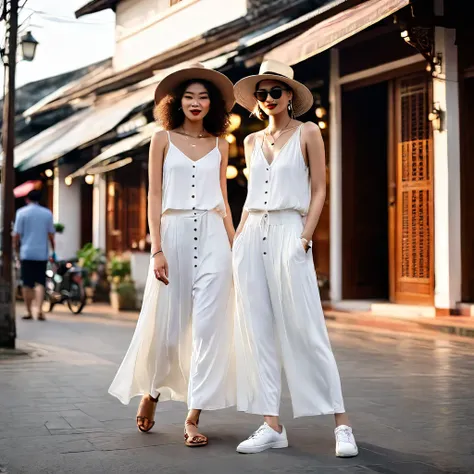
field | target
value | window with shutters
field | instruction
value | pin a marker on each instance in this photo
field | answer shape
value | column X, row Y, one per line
column 414, row 246
column 126, row 208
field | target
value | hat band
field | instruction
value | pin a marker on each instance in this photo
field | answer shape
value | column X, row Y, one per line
column 275, row 74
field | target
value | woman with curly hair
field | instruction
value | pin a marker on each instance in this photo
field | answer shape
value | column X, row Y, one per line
column 182, row 346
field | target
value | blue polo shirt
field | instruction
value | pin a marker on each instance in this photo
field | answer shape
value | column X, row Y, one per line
column 33, row 224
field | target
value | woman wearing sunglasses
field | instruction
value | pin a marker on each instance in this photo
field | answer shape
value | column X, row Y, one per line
column 279, row 311
column 182, row 346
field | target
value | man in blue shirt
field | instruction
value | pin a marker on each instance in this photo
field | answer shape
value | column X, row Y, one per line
column 33, row 229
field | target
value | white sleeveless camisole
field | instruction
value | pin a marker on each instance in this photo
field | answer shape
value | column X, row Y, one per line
column 190, row 185
column 284, row 184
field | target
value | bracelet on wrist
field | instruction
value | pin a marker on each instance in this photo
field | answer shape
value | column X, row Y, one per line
column 156, row 253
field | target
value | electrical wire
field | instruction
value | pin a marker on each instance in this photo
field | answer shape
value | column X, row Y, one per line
column 22, row 6
column 66, row 19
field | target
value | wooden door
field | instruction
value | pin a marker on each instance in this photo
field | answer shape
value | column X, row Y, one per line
column 132, row 228
column 114, row 214
column 364, row 187
column 87, row 198
column 49, row 187
column 467, row 178
column 414, row 229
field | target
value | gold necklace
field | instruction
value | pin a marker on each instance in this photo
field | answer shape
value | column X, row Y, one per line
column 188, row 136
column 283, row 130
column 183, row 132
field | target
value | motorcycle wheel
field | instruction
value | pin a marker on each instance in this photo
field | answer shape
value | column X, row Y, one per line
column 77, row 298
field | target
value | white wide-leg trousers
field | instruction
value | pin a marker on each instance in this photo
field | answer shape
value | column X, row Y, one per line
column 182, row 347
column 279, row 318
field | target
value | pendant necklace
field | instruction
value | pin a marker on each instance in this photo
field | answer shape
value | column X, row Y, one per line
column 187, row 136
column 285, row 129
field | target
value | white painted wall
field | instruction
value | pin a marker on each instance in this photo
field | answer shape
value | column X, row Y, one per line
column 99, row 212
column 67, row 211
column 147, row 28
column 335, row 181
column 447, row 175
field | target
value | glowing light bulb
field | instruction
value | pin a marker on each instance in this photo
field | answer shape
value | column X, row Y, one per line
column 231, row 172
column 231, row 138
column 235, row 121
column 320, row 112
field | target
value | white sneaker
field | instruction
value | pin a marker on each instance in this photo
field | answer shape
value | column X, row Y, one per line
column 346, row 446
column 264, row 438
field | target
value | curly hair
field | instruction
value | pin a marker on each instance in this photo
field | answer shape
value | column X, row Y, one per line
column 169, row 115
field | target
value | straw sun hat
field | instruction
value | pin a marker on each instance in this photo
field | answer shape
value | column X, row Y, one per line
column 272, row 70
column 196, row 71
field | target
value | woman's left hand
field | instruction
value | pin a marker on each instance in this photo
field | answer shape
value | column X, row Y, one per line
column 305, row 244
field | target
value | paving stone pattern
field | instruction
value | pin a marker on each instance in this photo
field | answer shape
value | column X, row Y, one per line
column 410, row 399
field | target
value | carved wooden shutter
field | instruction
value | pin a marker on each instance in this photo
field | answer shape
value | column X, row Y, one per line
column 133, row 226
column 114, row 215
column 415, row 225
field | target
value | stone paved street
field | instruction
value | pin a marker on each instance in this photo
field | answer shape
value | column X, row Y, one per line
column 410, row 399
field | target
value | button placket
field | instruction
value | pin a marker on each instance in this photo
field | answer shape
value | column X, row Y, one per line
column 196, row 240
column 267, row 187
column 265, row 233
column 196, row 225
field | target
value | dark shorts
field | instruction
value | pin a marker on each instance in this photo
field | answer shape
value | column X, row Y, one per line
column 33, row 272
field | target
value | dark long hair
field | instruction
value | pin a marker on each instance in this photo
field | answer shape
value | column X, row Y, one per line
column 169, row 115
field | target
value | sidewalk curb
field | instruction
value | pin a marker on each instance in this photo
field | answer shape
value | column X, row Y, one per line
column 448, row 325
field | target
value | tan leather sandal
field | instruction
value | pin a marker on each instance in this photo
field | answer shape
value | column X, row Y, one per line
column 197, row 440
column 143, row 421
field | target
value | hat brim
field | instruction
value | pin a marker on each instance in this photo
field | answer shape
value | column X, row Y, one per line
column 173, row 80
column 245, row 88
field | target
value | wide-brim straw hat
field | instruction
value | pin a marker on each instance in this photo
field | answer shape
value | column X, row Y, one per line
column 272, row 70
column 196, row 71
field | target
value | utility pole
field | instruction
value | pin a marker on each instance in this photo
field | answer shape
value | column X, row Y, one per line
column 7, row 289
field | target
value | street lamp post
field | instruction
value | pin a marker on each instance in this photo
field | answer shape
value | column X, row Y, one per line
column 7, row 307
column 9, row 13
column 28, row 46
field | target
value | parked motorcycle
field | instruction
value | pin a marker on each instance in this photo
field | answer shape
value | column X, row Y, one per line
column 64, row 283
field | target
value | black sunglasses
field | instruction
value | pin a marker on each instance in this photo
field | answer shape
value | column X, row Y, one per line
column 275, row 93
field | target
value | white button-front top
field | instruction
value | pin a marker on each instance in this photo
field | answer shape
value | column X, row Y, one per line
column 282, row 185
column 189, row 184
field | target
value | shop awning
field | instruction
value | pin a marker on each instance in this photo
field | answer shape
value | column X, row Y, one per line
column 106, row 168
column 110, row 154
column 333, row 30
column 24, row 189
column 81, row 128
column 39, row 143
column 109, row 110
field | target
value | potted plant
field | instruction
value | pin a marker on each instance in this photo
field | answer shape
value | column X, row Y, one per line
column 91, row 260
column 123, row 293
column 59, row 228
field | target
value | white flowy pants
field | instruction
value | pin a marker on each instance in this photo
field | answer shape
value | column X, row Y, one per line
column 280, row 318
column 182, row 347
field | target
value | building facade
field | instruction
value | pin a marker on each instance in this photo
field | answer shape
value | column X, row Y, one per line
column 400, row 233
column 393, row 88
